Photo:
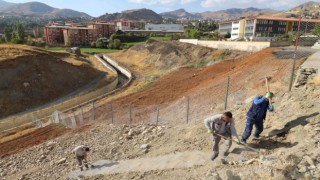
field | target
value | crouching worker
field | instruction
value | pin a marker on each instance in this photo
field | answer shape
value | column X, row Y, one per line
column 221, row 125
column 81, row 155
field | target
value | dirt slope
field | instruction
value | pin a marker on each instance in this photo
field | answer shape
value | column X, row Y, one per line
column 32, row 77
column 292, row 155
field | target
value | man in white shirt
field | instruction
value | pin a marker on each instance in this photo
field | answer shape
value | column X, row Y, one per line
column 81, row 155
column 221, row 125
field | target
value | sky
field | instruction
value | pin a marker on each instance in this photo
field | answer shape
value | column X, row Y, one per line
column 99, row 7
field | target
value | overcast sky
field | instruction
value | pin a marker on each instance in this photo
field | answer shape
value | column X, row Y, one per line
column 99, row 7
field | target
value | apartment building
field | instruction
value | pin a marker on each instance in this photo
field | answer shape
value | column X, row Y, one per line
column 75, row 34
column 165, row 27
column 265, row 26
column 235, row 27
column 124, row 24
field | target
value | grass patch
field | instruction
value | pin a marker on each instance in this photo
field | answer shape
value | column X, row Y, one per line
column 225, row 54
column 160, row 38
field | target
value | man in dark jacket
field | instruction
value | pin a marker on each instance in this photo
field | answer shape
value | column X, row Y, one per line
column 256, row 115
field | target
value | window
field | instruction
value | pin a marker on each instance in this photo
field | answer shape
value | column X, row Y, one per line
column 235, row 28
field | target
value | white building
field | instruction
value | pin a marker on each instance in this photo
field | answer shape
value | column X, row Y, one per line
column 164, row 27
column 234, row 27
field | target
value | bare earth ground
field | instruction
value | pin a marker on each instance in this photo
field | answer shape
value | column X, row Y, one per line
column 292, row 155
column 31, row 77
column 116, row 143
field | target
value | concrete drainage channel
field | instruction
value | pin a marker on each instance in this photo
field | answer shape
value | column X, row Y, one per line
column 123, row 79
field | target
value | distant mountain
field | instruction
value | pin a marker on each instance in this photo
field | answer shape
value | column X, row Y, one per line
column 180, row 13
column 4, row 4
column 309, row 9
column 38, row 9
column 235, row 12
column 308, row 6
column 134, row 14
column 219, row 15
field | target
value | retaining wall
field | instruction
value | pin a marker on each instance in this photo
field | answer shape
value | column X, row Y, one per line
column 232, row 45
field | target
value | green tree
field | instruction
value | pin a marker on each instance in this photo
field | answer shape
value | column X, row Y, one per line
column 8, row 34
column 117, row 43
column 193, row 33
column 316, row 30
column 20, row 32
column 99, row 43
column 228, row 35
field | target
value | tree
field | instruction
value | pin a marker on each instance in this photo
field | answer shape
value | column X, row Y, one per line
column 8, row 34
column 99, row 43
column 117, row 43
column 228, row 35
column 193, row 33
column 316, row 30
column 20, row 32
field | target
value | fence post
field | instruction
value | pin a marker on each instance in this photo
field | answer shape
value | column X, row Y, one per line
column 93, row 111
column 158, row 109
column 81, row 118
column 130, row 114
column 227, row 93
column 111, row 114
column 295, row 55
column 188, row 101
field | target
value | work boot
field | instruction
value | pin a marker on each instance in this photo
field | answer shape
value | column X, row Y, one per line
column 225, row 154
column 81, row 168
column 214, row 156
column 86, row 165
column 92, row 166
column 224, row 161
column 243, row 141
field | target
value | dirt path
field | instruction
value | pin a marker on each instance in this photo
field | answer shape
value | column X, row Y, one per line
column 176, row 160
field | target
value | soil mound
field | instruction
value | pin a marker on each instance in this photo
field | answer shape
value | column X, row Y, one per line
column 32, row 78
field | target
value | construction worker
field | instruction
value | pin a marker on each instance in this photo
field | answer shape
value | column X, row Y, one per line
column 221, row 125
column 81, row 155
column 256, row 115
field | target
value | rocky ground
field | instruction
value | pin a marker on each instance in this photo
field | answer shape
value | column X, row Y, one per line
column 293, row 154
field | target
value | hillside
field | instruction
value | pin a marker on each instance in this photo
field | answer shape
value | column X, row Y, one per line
column 309, row 9
column 4, row 4
column 182, row 151
column 134, row 14
column 220, row 15
column 235, row 12
column 180, row 13
column 40, row 10
column 31, row 78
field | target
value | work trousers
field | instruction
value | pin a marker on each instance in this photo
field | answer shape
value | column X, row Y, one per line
column 227, row 143
column 249, row 125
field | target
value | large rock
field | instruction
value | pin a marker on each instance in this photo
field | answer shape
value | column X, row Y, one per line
column 145, row 146
column 61, row 161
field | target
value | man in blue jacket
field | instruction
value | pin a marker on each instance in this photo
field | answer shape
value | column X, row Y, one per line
column 257, row 114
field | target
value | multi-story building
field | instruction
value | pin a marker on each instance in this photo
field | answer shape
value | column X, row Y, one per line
column 125, row 24
column 265, row 26
column 164, row 27
column 75, row 34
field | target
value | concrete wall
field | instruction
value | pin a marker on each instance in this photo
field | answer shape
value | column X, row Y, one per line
column 241, row 46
